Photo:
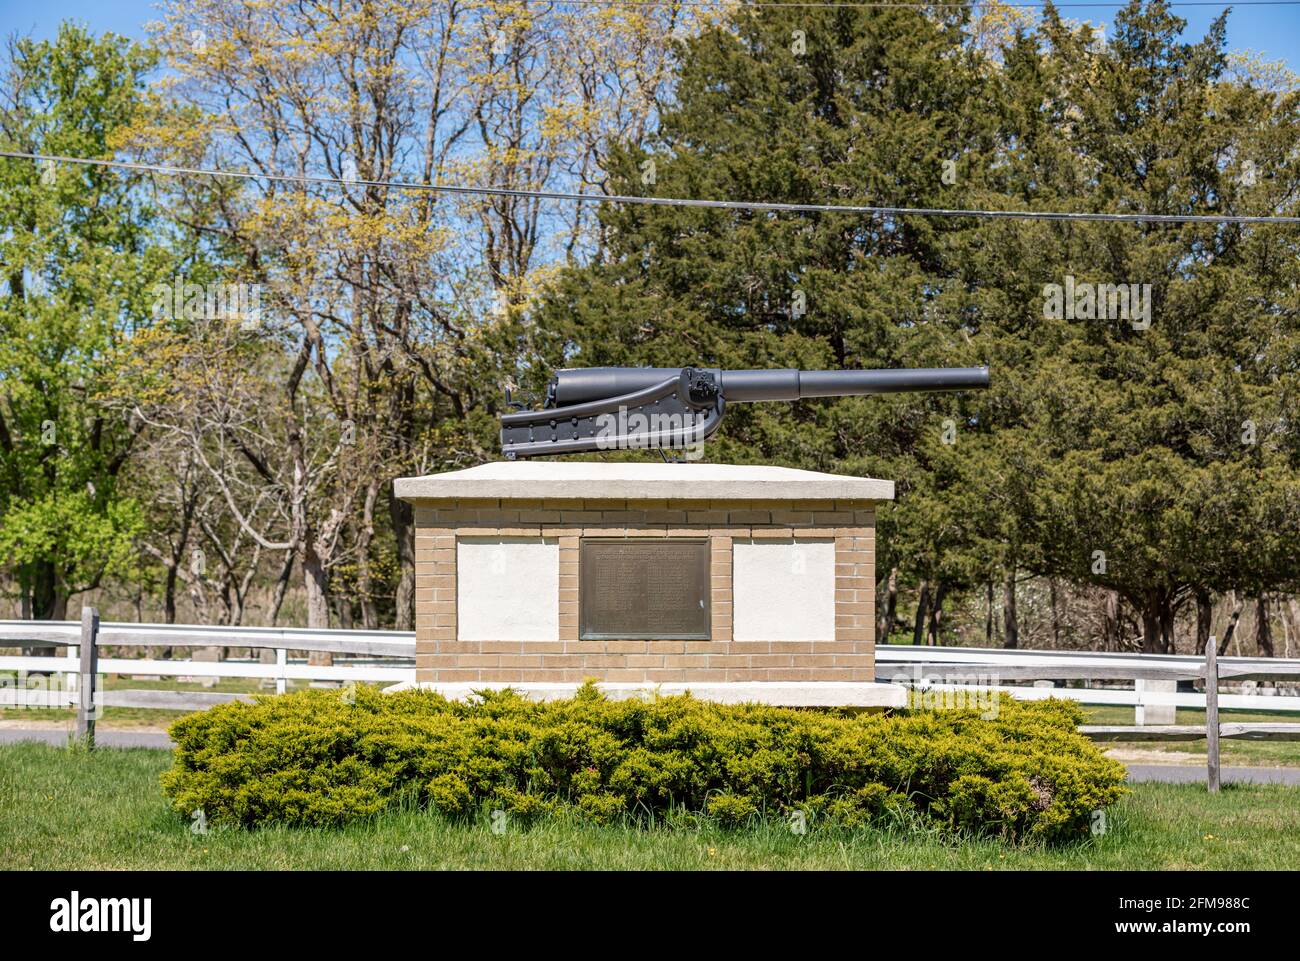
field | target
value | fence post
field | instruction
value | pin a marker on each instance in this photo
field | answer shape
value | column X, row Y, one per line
column 281, row 659
column 1212, row 714
column 86, row 680
column 1139, row 709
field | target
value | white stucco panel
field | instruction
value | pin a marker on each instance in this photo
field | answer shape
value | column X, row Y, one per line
column 507, row 589
column 783, row 590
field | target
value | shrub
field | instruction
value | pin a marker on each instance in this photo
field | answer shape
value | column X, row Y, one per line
column 314, row 758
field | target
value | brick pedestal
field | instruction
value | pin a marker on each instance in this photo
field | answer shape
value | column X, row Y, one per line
column 755, row 505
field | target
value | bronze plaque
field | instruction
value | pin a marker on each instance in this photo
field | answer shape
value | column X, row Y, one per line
column 644, row 588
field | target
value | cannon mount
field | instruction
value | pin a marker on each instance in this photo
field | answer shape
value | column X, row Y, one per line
column 675, row 408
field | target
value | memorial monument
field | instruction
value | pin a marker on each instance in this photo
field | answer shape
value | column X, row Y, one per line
column 739, row 583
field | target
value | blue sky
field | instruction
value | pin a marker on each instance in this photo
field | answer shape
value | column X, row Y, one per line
column 1271, row 30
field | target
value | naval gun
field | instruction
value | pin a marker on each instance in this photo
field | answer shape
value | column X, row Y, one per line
column 634, row 408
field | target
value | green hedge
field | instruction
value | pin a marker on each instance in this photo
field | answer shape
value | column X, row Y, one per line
column 319, row 758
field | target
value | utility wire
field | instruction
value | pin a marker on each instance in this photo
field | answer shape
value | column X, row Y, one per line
column 759, row 207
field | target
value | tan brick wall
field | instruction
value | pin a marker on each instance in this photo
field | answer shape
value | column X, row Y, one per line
column 848, row 656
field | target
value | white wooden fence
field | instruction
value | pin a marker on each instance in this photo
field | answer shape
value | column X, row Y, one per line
column 956, row 668
column 964, row 669
column 938, row 669
column 80, row 663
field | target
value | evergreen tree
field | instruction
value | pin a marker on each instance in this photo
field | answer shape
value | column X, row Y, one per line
column 1166, row 452
column 843, row 106
column 1149, row 455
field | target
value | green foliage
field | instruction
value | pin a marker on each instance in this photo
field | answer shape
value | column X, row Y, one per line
column 80, row 248
column 311, row 758
column 870, row 111
column 1098, row 435
column 84, row 535
column 731, row 810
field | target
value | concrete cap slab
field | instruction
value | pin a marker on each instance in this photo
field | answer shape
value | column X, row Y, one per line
column 530, row 480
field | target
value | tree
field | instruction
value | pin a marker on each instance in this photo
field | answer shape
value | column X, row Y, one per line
column 1110, row 450
column 79, row 253
column 845, row 106
column 400, row 309
column 1169, row 457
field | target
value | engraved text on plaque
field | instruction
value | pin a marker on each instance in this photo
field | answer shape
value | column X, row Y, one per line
column 644, row 588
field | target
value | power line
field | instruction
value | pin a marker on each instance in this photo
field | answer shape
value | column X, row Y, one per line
column 757, row 207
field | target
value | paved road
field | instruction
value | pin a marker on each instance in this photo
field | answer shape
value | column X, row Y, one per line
column 59, row 738
column 1168, row 773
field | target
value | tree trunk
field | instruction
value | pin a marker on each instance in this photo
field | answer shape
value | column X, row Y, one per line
column 1152, row 609
column 922, row 602
column 988, row 614
column 48, row 602
column 1237, row 605
column 318, row 605
column 1263, row 630
column 936, row 613
column 169, row 595
column 178, row 552
column 281, row 587
column 403, row 520
column 1056, row 614
column 25, row 610
column 343, row 611
column 1167, row 613
column 227, row 605
column 1204, row 614
column 365, row 581
column 1111, row 627
column 235, row 606
column 888, row 609
column 1010, row 625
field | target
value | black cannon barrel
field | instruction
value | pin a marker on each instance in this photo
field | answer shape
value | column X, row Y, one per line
column 595, row 383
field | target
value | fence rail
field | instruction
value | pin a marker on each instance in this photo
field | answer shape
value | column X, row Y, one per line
column 63, row 633
column 397, row 648
column 963, row 669
column 1193, row 732
column 953, row 668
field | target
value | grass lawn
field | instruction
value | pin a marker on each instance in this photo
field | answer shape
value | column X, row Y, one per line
column 1231, row 751
column 62, row 809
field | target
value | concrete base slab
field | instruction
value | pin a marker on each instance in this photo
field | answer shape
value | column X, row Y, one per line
column 856, row 694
